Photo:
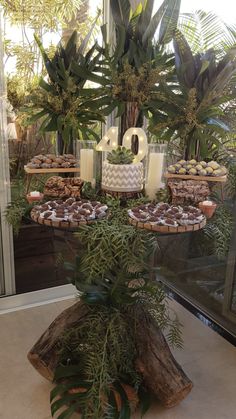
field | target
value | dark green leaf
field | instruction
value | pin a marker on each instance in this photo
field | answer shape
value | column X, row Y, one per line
column 66, row 371
column 145, row 400
column 154, row 23
column 120, row 11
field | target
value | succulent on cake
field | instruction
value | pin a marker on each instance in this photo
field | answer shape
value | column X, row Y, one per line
column 121, row 155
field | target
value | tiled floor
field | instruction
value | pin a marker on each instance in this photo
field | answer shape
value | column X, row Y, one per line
column 207, row 358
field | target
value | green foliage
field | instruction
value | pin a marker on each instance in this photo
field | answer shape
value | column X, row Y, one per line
column 101, row 354
column 216, row 236
column 121, row 155
column 88, row 191
column 230, row 186
column 59, row 102
column 15, row 211
column 205, row 30
column 133, row 70
column 112, row 245
column 41, row 18
column 18, row 89
column 163, row 195
column 46, row 13
column 194, row 111
column 98, row 355
column 139, row 23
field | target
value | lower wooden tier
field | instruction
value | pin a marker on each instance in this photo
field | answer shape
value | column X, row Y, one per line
column 167, row 229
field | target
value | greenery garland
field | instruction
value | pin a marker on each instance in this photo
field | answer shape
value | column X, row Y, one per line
column 97, row 357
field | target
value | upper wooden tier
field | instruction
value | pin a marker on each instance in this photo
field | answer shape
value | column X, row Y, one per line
column 196, row 177
column 53, row 170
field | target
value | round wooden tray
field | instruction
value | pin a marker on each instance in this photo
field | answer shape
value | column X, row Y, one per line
column 60, row 224
column 167, row 229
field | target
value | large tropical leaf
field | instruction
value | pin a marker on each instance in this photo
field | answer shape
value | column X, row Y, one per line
column 154, row 23
column 121, row 12
column 145, row 18
column 169, row 22
column 120, row 42
column 85, row 74
column 87, row 38
column 184, row 60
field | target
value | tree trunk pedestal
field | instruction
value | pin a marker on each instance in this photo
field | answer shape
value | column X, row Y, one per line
column 162, row 375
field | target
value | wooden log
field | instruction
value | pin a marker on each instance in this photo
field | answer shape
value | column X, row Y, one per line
column 162, row 375
column 43, row 355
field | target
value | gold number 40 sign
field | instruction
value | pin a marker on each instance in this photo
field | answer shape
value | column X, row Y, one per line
column 109, row 141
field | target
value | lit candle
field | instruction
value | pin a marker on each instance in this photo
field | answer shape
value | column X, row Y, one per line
column 87, row 164
column 35, row 194
column 155, row 170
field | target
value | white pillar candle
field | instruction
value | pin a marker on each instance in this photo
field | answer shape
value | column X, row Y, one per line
column 155, row 171
column 87, row 165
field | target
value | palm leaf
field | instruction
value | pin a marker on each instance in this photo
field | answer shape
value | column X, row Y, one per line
column 206, row 30
column 169, row 22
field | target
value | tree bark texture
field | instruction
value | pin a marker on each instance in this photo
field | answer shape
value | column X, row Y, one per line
column 43, row 356
column 162, row 375
column 132, row 117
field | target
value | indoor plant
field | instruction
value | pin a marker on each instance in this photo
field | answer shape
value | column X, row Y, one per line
column 120, row 173
column 133, row 68
column 58, row 102
column 193, row 114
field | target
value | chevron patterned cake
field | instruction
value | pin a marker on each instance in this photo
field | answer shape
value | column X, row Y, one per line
column 122, row 177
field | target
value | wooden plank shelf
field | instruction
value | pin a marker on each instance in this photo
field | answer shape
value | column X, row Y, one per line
column 221, row 179
column 53, row 170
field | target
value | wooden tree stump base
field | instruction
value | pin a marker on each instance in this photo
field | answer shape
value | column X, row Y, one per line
column 162, row 375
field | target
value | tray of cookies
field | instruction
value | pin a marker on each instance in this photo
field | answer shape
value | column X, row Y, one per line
column 70, row 213
column 166, row 218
